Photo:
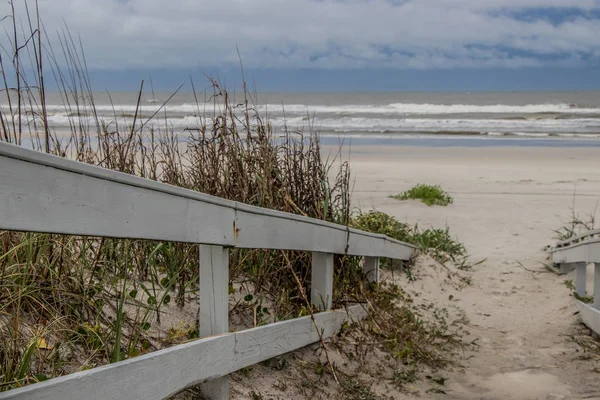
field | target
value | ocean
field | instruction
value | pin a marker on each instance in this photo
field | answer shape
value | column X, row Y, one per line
column 498, row 118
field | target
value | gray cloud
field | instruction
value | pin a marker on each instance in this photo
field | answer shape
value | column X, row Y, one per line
column 325, row 34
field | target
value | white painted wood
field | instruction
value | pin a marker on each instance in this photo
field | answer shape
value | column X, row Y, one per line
column 565, row 268
column 583, row 251
column 214, row 290
column 576, row 239
column 165, row 372
column 580, row 278
column 580, row 251
column 274, row 230
column 321, row 288
column 42, row 199
column 43, row 193
column 371, row 269
column 590, row 316
column 597, row 286
column 48, row 160
column 214, row 307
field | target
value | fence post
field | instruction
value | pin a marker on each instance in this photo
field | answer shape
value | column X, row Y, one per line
column 321, row 287
column 597, row 286
column 214, row 307
column 580, row 278
column 371, row 269
column 565, row 268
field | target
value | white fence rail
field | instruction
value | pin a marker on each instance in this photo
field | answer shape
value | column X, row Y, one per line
column 165, row 372
column 44, row 193
column 577, row 253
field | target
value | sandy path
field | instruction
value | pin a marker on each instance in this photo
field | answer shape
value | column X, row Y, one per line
column 507, row 202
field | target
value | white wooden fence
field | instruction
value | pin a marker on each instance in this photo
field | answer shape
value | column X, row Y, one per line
column 44, row 193
column 577, row 253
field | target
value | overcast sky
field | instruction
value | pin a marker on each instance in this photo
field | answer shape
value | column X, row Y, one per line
column 460, row 39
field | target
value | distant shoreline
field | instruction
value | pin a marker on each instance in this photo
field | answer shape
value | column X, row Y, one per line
column 459, row 141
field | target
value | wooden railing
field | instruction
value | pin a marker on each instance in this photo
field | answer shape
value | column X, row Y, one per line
column 577, row 253
column 44, row 193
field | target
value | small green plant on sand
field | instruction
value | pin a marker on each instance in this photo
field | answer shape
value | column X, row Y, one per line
column 583, row 299
column 571, row 286
column 428, row 194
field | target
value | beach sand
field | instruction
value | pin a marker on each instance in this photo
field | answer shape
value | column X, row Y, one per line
column 507, row 202
column 525, row 341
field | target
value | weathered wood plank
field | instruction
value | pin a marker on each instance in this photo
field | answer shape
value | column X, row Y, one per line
column 580, row 278
column 214, row 283
column 214, row 310
column 578, row 238
column 565, row 268
column 44, row 193
column 371, row 269
column 321, row 288
column 42, row 199
column 590, row 316
column 165, row 372
column 583, row 251
column 271, row 229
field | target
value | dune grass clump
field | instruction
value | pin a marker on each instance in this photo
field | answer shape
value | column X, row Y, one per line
column 382, row 223
column 437, row 243
column 428, row 194
column 440, row 244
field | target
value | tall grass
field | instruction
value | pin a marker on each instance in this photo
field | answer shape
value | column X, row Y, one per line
column 576, row 225
column 68, row 303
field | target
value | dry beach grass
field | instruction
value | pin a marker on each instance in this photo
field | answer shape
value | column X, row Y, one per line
column 71, row 303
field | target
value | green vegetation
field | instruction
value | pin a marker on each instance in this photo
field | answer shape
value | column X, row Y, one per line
column 428, row 194
column 583, row 299
column 569, row 284
column 437, row 243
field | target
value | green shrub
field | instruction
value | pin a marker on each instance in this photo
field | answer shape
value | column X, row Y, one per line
column 430, row 195
column 437, row 243
column 379, row 222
